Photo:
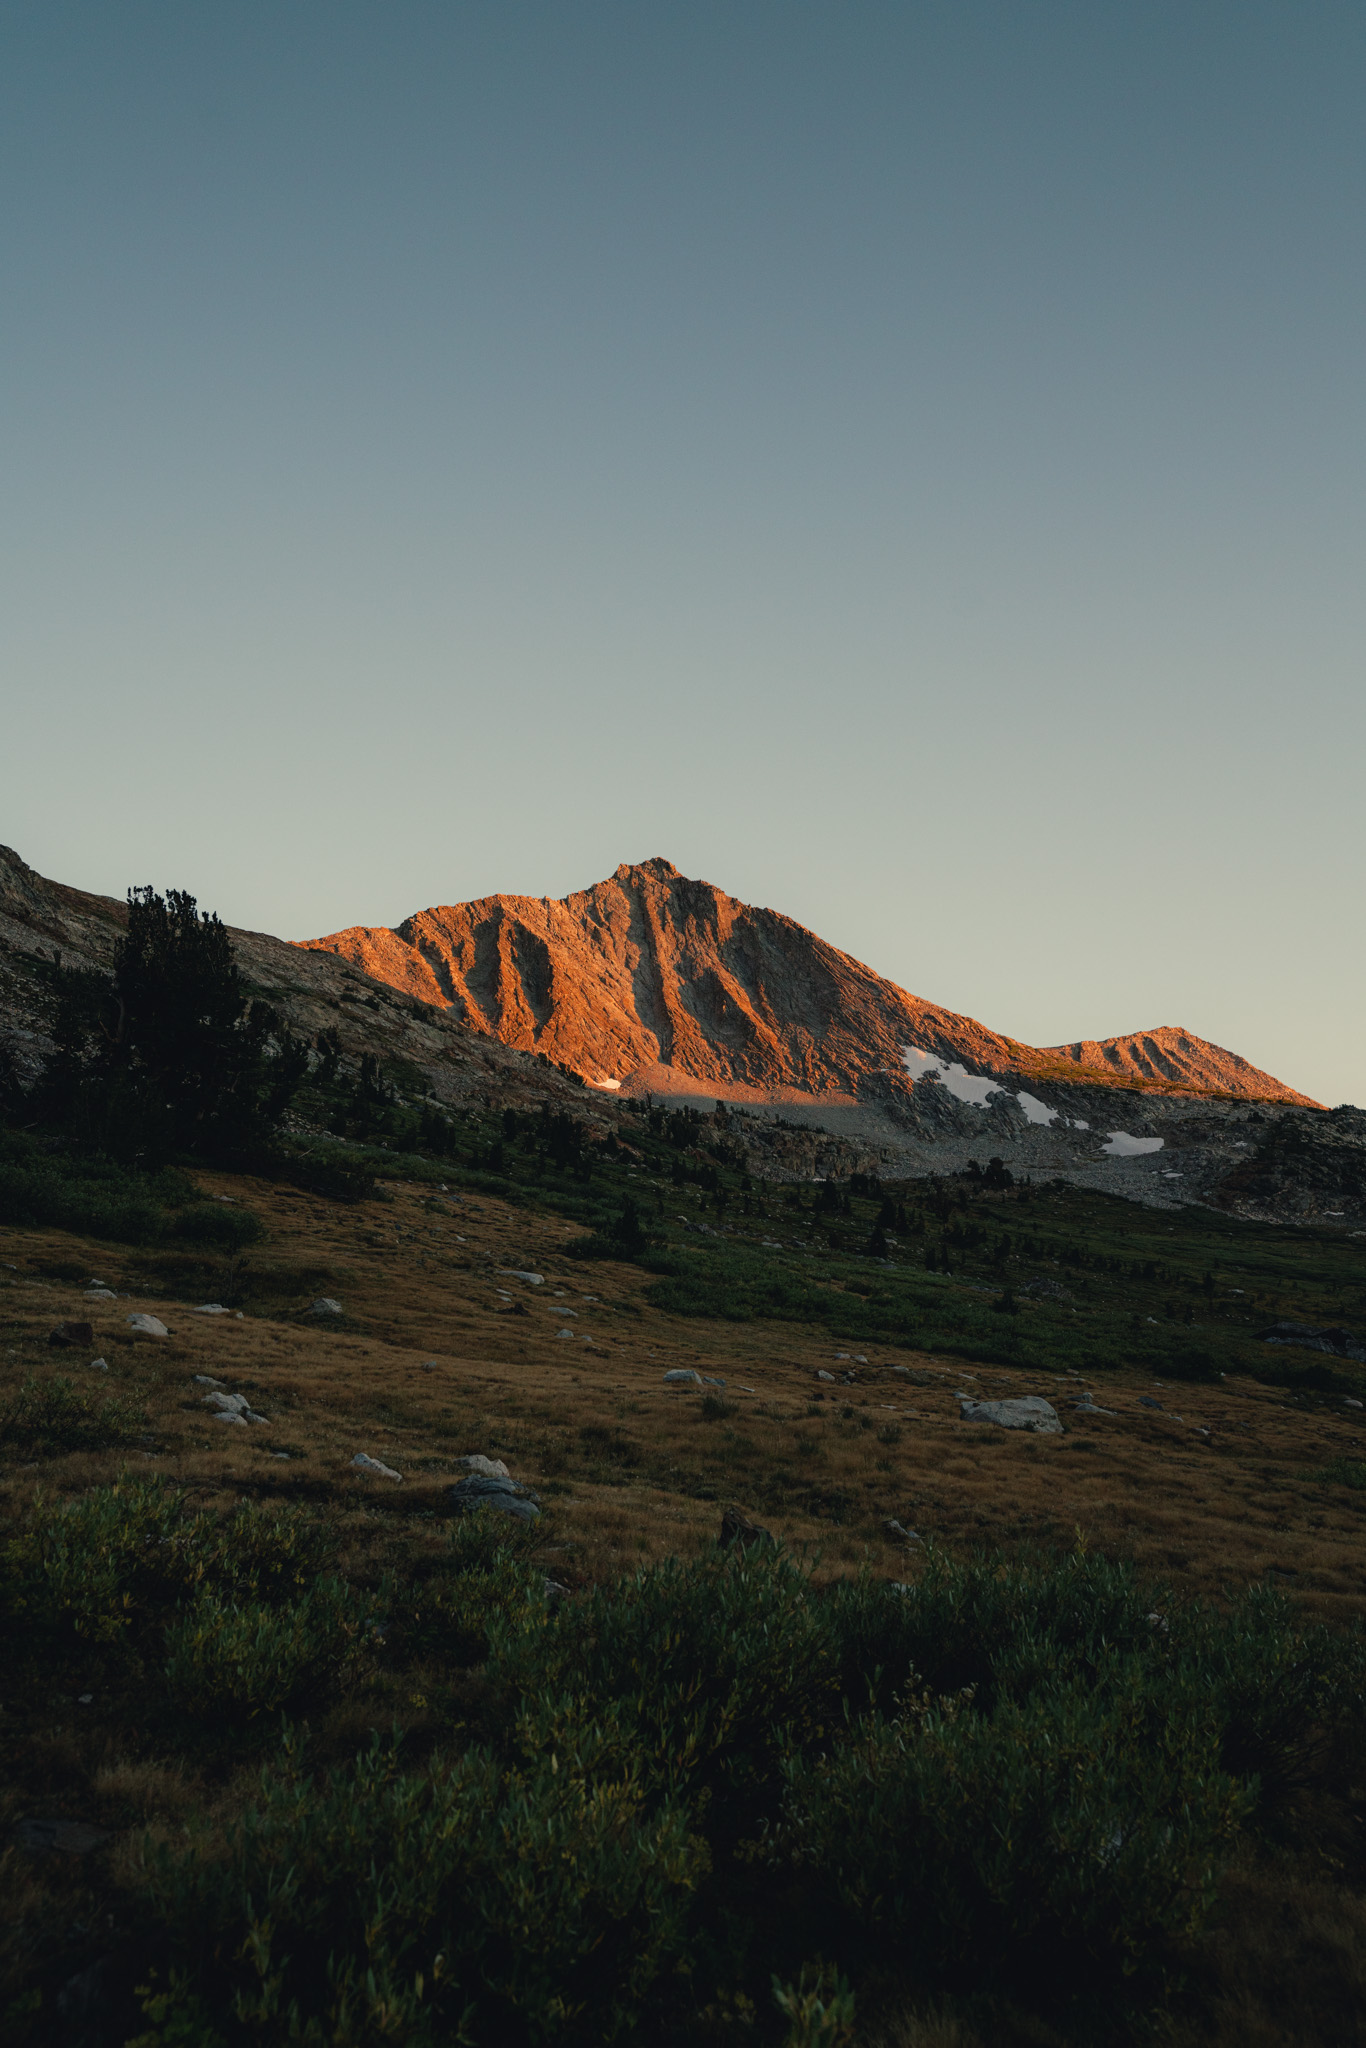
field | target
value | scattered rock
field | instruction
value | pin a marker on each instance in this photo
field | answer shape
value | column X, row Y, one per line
column 99, row 1365
column 485, row 1490
column 67, row 1334
column 491, row 1468
column 516, row 1273
column 682, row 1376
column 1147, row 1401
column 906, row 1535
column 902, row 1371
column 708, row 1381
column 232, row 1407
column 211, row 1308
column 737, row 1531
column 1338, row 1343
column 148, row 1326
column 430, row 1364
column 362, row 1463
column 204, row 1379
column 1349, row 1402
column 327, row 1305
column 1030, row 1411
column 1086, row 1406
column 100, row 1294
column 564, row 1333
column 822, row 1374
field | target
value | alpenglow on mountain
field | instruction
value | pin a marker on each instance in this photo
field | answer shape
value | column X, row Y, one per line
column 651, row 982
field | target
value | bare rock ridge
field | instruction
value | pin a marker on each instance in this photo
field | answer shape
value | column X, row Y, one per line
column 652, row 981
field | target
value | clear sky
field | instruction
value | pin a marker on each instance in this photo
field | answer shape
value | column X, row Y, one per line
column 903, row 462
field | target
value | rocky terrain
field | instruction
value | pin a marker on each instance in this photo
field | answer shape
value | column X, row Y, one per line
column 651, row 984
column 652, row 981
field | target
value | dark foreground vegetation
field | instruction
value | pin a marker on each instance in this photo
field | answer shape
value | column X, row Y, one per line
column 635, row 1814
column 406, row 1790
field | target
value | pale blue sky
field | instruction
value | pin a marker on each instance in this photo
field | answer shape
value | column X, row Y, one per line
column 902, row 462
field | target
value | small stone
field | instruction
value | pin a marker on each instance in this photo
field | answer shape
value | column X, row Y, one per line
column 100, row 1294
column 148, row 1326
column 211, row 1308
column 1349, row 1402
column 326, row 1305
column 491, row 1468
column 204, row 1379
column 709, row 1381
column 429, row 1365
column 363, row 1463
column 822, row 1374
column 682, row 1376
column 564, row 1333
column 99, row 1365
column 1147, row 1401
column 906, row 1535
column 738, row 1532
column 516, row 1273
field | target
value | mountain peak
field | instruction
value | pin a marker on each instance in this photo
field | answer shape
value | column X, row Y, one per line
column 650, row 981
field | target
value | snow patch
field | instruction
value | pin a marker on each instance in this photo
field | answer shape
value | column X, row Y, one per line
column 605, row 1084
column 1122, row 1146
column 965, row 1087
column 1037, row 1112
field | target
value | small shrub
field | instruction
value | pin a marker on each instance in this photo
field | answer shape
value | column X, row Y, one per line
column 453, row 1904
column 819, row 2008
column 229, row 1660
column 1346, row 1472
column 264, row 1552
column 51, row 1417
column 93, row 1568
column 213, row 1223
column 716, row 1409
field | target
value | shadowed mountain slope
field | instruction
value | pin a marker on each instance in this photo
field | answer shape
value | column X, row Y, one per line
column 652, row 980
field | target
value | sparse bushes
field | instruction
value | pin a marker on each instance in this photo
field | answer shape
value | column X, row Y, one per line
column 670, row 1790
column 43, row 1187
column 232, row 1660
column 49, row 1417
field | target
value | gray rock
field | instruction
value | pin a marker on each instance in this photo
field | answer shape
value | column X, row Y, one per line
column 822, row 1374
column 682, row 1376
column 148, row 1326
column 1030, row 1412
column 234, row 1407
column 327, row 1305
column 1147, row 1401
column 363, row 1463
column 99, row 1365
column 710, row 1382
column 205, row 1379
column 1086, row 1406
column 1349, row 1402
column 100, row 1294
column 516, row 1273
column 490, row 1468
column 486, row 1490
column 906, row 1535
column 211, row 1308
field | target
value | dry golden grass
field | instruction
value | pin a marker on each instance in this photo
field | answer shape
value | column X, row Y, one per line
column 441, row 1353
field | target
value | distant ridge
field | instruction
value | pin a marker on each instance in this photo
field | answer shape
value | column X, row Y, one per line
column 650, row 980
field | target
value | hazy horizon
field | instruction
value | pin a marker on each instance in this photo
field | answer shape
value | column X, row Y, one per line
column 902, row 464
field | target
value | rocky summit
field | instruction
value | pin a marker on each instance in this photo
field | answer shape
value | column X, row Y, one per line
column 650, row 981
column 652, row 984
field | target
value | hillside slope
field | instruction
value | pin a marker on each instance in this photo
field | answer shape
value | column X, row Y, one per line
column 650, row 978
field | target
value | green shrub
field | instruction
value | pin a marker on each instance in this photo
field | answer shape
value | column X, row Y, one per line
column 265, row 1552
column 228, row 1659
column 1346, row 1472
column 93, row 1568
column 459, row 1903
column 49, row 1417
column 215, row 1223
column 709, row 1673
column 963, row 1847
column 451, row 1606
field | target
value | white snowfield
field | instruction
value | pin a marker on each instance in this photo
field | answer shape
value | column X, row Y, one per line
column 977, row 1088
column 1122, row 1146
column 604, row 1084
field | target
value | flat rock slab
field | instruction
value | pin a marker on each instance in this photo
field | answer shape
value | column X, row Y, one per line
column 72, row 1837
column 1030, row 1412
column 327, row 1305
column 488, row 1490
column 148, row 1326
column 682, row 1376
column 516, row 1273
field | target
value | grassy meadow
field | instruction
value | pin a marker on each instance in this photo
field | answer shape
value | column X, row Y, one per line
column 1082, row 1763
